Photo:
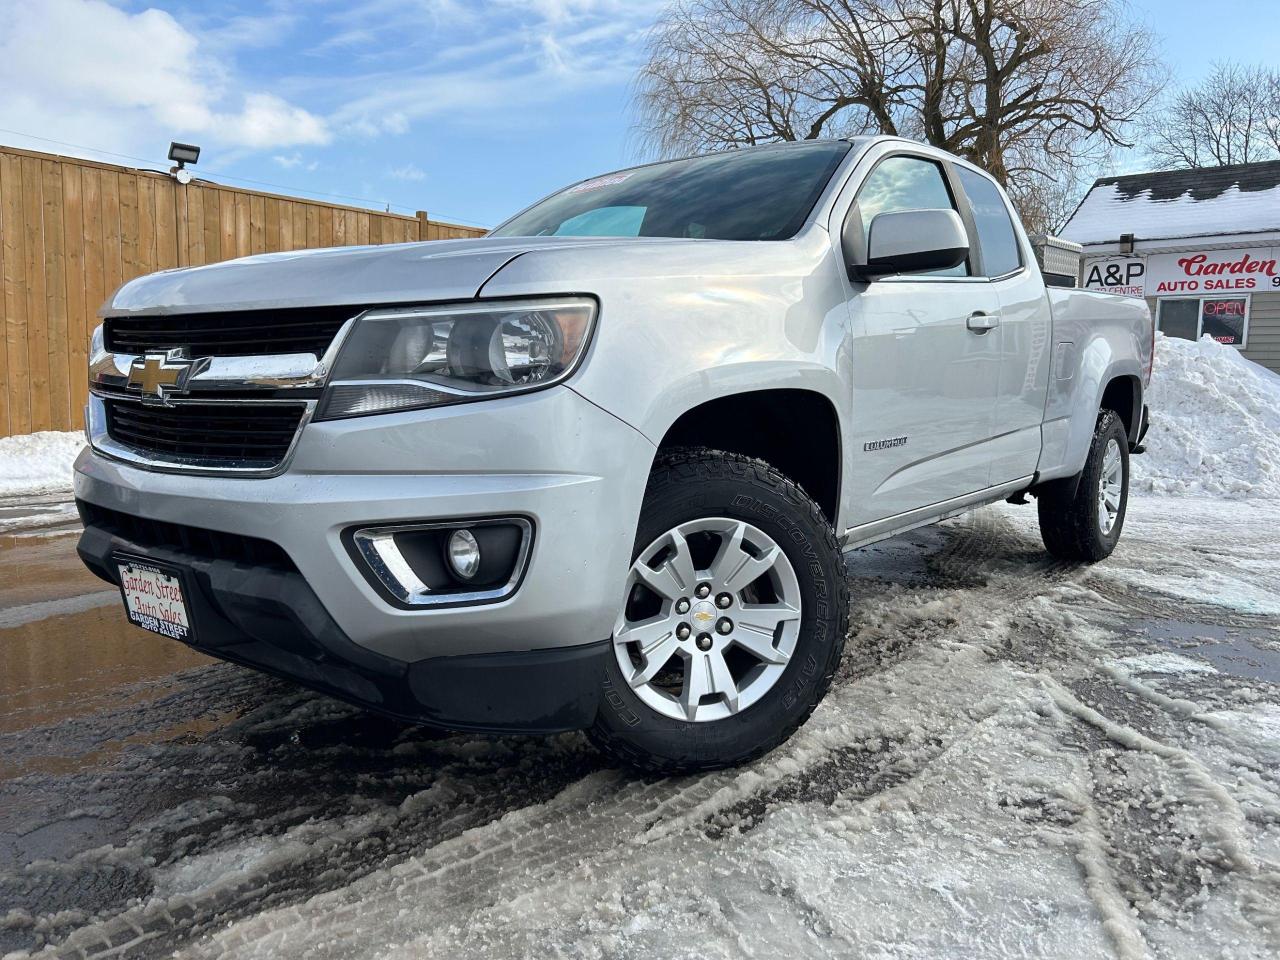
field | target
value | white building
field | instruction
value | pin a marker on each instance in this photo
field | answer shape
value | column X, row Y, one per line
column 1202, row 246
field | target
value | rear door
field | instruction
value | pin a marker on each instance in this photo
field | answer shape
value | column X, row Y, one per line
column 1024, row 333
column 925, row 352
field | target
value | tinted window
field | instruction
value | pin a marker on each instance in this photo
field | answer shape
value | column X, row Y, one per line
column 740, row 195
column 905, row 183
column 1180, row 318
column 996, row 237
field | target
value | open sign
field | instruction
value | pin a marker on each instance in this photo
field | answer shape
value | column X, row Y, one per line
column 1224, row 308
column 1224, row 319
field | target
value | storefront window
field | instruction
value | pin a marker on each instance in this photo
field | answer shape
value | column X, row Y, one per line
column 1226, row 319
column 1180, row 318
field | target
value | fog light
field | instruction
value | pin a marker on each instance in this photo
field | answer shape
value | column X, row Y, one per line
column 464, row 554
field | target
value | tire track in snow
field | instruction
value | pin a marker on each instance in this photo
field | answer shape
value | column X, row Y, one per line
column 530, row 847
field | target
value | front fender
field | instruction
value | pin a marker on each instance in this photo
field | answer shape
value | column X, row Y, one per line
column 681, row 325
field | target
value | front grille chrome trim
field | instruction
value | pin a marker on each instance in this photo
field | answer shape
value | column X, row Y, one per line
column 109, row 380
column 288, row 371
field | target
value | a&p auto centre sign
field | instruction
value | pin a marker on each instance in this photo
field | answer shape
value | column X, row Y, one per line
column 1182, row 274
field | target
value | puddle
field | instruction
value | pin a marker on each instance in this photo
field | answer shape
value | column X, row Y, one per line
column 62, row 666
column 1250, row 654
column 43, row 567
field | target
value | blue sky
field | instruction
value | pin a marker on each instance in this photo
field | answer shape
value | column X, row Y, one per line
column 466, row 108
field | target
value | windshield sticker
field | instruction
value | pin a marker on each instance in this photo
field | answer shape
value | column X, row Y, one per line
column 598, row 182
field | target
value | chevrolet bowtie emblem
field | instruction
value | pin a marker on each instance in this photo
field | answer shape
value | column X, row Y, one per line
column 161, row 375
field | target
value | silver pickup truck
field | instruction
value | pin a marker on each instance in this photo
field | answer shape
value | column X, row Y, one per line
column 596, row 469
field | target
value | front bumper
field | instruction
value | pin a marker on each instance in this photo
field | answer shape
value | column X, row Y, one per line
column 271, row 620
column 575, row 471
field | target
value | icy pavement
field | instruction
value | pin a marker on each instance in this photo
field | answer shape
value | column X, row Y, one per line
column 1020, row 758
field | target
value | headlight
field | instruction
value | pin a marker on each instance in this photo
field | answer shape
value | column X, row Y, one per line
column 406, row 358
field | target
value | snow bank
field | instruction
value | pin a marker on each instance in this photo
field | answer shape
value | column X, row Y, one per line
column 1215, row 424
column 38, row 462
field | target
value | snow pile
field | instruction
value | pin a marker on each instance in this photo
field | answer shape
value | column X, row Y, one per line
column 1215, row 424
column 38, row 462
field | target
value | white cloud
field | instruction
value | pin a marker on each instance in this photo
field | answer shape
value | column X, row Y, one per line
column 294, row 160
column 267, row 121
column 87, row 72
column 502, row 61
column 407, row 171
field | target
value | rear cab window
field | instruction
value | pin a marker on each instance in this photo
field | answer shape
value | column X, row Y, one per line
column 997, row 239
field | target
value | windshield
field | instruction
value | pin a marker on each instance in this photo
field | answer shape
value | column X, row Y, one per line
column 739, row 195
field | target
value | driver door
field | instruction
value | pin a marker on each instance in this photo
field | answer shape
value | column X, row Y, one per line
column 926, row 362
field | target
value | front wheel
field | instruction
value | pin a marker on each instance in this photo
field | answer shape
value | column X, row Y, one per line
column 1084, row 523
column 733, row 619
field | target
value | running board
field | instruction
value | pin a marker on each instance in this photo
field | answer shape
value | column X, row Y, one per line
column 866, row 533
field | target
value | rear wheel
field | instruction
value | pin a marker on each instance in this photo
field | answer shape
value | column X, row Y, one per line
column 733, row 620
column 1084, row 523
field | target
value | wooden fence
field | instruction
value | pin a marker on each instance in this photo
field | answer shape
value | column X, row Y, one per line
column 72, row 230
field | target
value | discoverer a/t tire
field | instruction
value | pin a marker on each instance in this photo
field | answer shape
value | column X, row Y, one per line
column 1082, row 521
column 770, row 641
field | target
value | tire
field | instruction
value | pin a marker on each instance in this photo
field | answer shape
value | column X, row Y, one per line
column 704, row 505
column 1073, row 521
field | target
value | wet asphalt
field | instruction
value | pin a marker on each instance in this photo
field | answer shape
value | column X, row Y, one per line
column 135, row 769
column 125, row 758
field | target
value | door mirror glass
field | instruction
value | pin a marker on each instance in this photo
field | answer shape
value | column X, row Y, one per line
column 913, row 241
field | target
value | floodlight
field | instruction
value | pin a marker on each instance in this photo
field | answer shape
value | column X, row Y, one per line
column 183, row 153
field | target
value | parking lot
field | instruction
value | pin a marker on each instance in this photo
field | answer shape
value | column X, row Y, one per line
column 1019, row 758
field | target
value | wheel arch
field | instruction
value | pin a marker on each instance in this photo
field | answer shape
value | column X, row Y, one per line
column 1123, row 395
column 794, row 430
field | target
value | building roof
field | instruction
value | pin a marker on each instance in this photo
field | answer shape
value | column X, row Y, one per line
column 1211, row 201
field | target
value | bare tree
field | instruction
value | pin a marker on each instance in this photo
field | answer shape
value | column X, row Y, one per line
column 1232, row 116
column 1032, row 90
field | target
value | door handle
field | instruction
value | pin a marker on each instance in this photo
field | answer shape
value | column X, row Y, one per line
column 980, row 322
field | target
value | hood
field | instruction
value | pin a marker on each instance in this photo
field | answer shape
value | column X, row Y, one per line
column 433, row 270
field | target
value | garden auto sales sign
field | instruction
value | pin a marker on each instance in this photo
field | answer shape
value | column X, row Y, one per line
column 1196, row 272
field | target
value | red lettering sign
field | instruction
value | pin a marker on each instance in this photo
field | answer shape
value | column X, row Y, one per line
column 1198, row 265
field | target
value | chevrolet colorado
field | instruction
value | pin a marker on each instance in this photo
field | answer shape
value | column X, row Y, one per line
column 596, row 469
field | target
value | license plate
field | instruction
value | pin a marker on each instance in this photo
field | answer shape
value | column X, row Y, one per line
column 153, row 598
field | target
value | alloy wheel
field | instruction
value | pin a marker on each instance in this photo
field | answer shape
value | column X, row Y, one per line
column 711, row 619
column 1110, row 487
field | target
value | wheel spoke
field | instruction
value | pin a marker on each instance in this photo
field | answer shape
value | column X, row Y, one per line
column 675, row 578
column 681, row 562
column 643, row 632
column 697, row 684
column 722, row 681
column 656, row 656
column 656, row 642
column 734, row 569
column 757, row 639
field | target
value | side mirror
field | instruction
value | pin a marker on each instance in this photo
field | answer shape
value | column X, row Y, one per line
column 913, row 241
